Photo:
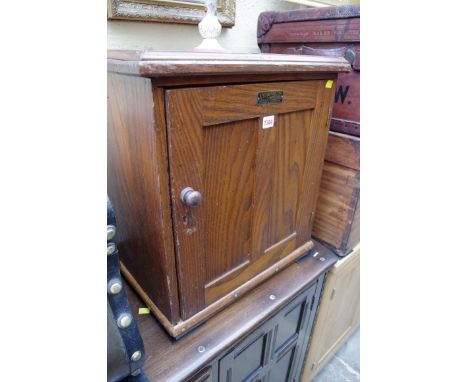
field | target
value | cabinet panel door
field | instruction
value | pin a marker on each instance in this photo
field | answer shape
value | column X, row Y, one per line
column 246, row 363
column 259, row 185
column 283, row 366
column 275, row 351
column 338, row 315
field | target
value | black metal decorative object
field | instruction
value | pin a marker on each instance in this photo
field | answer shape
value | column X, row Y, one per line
column 264, row 98
column 125, row 350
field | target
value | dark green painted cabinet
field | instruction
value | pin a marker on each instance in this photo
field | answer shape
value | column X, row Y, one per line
column 275, row 351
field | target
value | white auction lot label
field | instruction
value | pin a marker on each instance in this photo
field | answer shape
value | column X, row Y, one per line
column 268, row 121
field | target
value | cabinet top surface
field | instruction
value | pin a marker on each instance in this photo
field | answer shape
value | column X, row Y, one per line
column 155, row 64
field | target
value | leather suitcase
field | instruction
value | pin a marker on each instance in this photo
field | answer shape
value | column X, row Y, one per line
column 125, row 349
column 329, row 31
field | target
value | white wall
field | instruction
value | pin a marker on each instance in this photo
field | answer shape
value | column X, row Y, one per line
column 160, row 36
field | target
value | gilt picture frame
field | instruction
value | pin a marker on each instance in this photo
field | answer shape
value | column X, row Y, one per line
column 169, row 11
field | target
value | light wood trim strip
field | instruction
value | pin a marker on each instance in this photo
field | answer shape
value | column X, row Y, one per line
column 182, row 327
column 280, row 243
column 230, row 273
column 191, row 322
column 173, row 68
column 159, row 315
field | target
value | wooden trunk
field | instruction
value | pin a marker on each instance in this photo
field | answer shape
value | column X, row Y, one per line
column 338, row 314
column 247, row 135
column 337, row 216
column 334, row 32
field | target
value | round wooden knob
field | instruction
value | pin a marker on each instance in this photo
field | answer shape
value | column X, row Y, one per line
column 190, row 197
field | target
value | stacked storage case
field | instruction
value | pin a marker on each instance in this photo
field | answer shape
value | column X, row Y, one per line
column 332, row 31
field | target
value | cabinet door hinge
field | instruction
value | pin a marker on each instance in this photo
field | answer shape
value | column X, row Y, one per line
column 311, row 219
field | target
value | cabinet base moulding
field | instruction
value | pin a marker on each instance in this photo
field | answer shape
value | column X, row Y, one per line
column 182, row 327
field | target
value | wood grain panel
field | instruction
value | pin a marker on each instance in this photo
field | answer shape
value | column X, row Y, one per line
column 292, row 144
column 186, row 159
column 228, row 190
column 343, row 150
column 280, row 163
column 338, row 199
column 137, row 183
column 263, row 195
column 297, row 95
column 318, row 129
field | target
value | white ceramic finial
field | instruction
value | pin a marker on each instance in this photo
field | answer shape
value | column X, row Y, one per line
column 210, row 29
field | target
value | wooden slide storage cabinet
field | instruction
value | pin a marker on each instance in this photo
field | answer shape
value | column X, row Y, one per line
column 214, row 165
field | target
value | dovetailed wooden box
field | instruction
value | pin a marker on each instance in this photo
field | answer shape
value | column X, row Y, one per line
column 214, row 166
column 337, row 215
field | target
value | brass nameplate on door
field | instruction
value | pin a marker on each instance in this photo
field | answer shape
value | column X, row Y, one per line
column 264, row 98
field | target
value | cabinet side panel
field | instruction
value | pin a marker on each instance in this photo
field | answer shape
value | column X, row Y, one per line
column 315, row 158
column 338, row 314
column 138, row 187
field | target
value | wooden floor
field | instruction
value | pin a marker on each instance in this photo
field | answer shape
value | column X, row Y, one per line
column 175, row 360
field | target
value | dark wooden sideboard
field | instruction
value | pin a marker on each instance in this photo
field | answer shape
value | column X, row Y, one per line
column 261, row 337
column 214, row 166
